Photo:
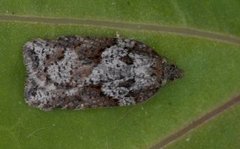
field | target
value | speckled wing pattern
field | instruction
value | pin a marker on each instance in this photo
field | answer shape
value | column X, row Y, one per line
column 74, row 72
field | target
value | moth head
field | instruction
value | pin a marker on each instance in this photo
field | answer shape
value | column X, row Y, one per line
column 172, row 72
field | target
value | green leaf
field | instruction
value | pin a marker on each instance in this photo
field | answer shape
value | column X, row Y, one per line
column 221, row 133
column 212, row 15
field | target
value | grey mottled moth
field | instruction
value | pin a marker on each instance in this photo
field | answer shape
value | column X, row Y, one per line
column 74, row 72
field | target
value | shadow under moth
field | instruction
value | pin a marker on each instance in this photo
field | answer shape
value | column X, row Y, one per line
column 74, row 72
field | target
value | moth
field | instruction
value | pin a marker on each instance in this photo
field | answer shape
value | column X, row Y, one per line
column 74, row 72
